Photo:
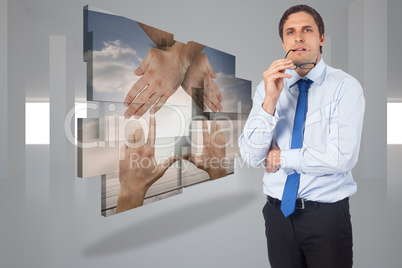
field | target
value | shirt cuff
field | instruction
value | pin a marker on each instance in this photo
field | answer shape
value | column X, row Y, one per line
column 290, row 160
column 271, row 120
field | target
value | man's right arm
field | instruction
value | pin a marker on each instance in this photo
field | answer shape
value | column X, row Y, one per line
column 257, row 135
column 258, row 131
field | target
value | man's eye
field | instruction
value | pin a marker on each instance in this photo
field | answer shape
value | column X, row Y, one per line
column 290, row 32
column 307, row 30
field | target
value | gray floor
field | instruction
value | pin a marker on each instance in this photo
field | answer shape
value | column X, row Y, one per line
column 51, row 219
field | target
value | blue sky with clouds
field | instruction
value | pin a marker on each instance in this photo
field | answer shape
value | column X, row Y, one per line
column 221, row 62
column 110, row 27
column 119, row 47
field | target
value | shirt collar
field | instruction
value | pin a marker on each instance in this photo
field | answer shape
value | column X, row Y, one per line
column 317, row 74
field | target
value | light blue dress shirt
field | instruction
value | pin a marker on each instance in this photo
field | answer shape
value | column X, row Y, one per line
column 333, row 127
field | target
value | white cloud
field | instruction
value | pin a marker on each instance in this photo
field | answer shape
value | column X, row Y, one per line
column 226, row 80
column 113, row 67
column 231, row 89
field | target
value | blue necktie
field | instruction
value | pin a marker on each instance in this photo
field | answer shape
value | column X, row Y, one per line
column 292, row 181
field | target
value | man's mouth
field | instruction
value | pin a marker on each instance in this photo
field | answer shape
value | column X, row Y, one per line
column 299, row 49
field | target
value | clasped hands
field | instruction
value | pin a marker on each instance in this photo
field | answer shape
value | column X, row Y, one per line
column 163, row 71
column 138, row 169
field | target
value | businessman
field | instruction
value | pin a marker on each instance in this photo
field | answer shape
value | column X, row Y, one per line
column 305, row 127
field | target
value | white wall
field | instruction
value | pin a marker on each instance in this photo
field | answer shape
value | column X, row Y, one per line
column 53, row 219
column 394, row 182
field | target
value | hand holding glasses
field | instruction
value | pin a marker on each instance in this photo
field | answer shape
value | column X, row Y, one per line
column 309, row 65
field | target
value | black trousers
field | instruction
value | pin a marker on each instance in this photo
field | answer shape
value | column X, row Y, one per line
column 315, row 237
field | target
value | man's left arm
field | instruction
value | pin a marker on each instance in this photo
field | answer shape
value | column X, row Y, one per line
column 342, row 140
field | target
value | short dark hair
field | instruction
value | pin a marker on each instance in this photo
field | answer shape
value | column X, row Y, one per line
column 302, row 8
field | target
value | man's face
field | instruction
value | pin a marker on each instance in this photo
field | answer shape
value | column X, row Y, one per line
column 300, row 32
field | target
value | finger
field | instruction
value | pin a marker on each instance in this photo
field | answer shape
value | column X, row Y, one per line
column 139, row 134
column 205, row 133
column 152, row 132
column 218, row 127
column 272, row 72
column 165, row 165
column 221, row 138
column 208, row 102
column 212, row 86
column 135, row 90
column 208, row 90
column 271, row 169
column 144, row 65
column 131, row 138
column 146, row 106
column 214, row 132
column 142, row 82
column 280, row 62
column 123, row 149
column 273, row 77
column 279, row 67
column 268, row 165
column 210, row 82
column 277, row 70
column 200, row 96
column 270, row 161
column 162, row 100
column 211, row 72
column 196, row 98
column 140, row 100
column 213, row 127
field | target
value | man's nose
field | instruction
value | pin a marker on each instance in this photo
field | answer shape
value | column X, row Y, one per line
column 299, row 37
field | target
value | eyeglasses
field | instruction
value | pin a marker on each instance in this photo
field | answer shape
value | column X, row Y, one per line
column 309, row 65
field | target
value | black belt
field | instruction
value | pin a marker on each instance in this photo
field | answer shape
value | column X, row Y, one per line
column 300, row 203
